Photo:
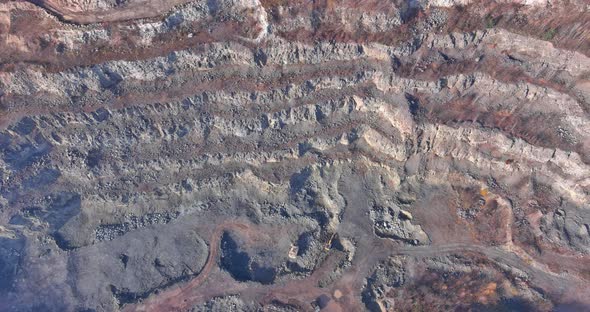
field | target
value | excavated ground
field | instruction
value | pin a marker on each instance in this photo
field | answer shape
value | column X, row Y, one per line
column 268, row 155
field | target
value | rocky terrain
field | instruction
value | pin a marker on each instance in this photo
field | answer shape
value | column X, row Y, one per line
column 270, row 155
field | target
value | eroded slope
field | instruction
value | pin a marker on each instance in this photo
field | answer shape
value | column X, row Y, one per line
column 294, row 155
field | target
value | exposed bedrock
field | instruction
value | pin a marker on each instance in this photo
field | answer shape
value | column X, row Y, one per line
column 262, row 155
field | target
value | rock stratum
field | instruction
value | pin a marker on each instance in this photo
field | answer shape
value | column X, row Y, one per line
column 269, row 155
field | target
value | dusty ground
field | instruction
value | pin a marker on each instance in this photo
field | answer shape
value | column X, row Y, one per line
column 259, row 155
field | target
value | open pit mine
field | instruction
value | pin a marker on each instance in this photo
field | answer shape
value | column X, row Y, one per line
column 294, row 155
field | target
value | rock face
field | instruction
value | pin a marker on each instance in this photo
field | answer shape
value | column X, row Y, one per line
column 258, row 155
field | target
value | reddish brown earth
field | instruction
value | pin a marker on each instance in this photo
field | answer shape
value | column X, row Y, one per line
column 269, row 155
